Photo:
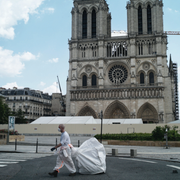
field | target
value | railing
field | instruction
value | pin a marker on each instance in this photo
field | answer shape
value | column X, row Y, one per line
column 120, row 86
column 118, row 93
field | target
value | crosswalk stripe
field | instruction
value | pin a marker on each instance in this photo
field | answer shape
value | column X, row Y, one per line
column 173, row 166
column 3, row 165
column 11, row 160
column 138, row 160
column 8, row 162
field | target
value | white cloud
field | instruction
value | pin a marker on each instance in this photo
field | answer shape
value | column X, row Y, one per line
column 50, row 10
column 12, row 65
column 176, row 11
column 169, row 9
column 54, row 60
column 42, row 84
column 11, row 85
column 51, row 89
column 12, row 11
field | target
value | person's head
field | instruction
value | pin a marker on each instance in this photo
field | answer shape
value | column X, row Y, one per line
column 61, row 128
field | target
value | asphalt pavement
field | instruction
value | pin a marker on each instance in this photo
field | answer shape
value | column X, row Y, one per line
column 150, row 163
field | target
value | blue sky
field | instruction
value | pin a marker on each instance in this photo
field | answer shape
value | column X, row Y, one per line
column 34, row 40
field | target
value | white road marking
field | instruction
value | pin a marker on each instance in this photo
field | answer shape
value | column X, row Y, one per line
column 173, row 166
column 8, row 162
column 138, row 160
column 3, row 165
column 11, row 160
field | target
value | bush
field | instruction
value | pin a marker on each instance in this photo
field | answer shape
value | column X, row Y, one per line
column 133, row 136
column 10, row 132
column 156, row 135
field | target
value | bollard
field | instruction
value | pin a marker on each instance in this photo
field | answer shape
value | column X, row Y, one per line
column 78, row 143
column 114, row 152
column 56, row 141
column 133, row 152
column 15, row 144
column 37, row 146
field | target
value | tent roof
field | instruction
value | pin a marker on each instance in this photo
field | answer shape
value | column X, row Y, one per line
column 83, row 120
column 174, row 122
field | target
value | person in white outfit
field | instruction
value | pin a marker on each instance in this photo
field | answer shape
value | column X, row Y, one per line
column 64, row 154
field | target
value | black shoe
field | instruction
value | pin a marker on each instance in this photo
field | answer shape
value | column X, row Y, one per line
column 54, row 173
column 72, row 174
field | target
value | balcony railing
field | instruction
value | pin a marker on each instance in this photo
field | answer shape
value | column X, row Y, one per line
column 118, row 86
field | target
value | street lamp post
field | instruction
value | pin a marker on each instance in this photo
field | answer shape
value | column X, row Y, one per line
column 166, row 137
column 101, row 116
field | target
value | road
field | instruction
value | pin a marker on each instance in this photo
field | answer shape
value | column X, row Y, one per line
column 31, row 166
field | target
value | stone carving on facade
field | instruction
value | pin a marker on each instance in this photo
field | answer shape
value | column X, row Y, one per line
column 132, row 74
column 133, row 115
column 128, row 61
column 153, row 61
column 74, row 77
column 101, row 76
column 88, row 69
column 96, row 64
column 146, row 66
column 138, row 61
column 161, row 114
column 79, row 65
column 159, row 74
column 102, row 5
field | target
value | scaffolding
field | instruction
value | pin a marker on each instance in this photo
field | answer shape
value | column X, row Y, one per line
column 175, row 70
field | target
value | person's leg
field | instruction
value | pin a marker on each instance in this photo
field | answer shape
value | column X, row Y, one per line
column 59, row 162
column 59, row 165
column 69, row 162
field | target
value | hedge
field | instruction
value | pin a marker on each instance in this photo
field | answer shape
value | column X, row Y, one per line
column 136, row 137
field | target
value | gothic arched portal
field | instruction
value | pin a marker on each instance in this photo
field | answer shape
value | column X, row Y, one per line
column 148, row 113
column 116, row 110
column 87, row 111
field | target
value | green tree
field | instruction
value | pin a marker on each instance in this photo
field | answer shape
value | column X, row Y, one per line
column 20, row 119
column 4, row 112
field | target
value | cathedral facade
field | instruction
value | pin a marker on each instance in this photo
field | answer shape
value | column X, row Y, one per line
column 124, row 76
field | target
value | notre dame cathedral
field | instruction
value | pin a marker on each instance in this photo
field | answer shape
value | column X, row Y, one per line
column 124, row 76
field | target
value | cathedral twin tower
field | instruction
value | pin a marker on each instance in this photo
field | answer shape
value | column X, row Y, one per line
column 124, row 76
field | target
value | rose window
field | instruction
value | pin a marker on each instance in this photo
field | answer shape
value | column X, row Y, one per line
column 118, row 74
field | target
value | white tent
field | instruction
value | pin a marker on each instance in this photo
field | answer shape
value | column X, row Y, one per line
column 83, row 120
column 175, row 122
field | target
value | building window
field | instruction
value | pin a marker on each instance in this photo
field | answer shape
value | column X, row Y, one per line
column 93, row 52
column 93, row 24
column 84, row 52
column 149, row 48
column 94, row 80
column 14, row 98
column 140, row 49
column 140, row 27
column 84, row 81
column 142, row 78
column 151, row 78
column 149, row 20
column 84, row 24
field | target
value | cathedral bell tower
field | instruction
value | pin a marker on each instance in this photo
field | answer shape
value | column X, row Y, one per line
column 145, row 17
column 90, row 19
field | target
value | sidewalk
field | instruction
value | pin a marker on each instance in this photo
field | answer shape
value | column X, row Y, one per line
column 171, row 154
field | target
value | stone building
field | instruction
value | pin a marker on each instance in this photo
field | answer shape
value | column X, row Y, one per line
column 124, row 76
column 58, row 104
column 33, row 103
column 3, row 98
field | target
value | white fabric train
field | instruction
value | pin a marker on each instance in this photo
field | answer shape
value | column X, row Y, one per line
column 90, row 157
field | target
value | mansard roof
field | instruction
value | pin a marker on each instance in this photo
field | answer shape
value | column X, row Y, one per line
column 25, row 91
